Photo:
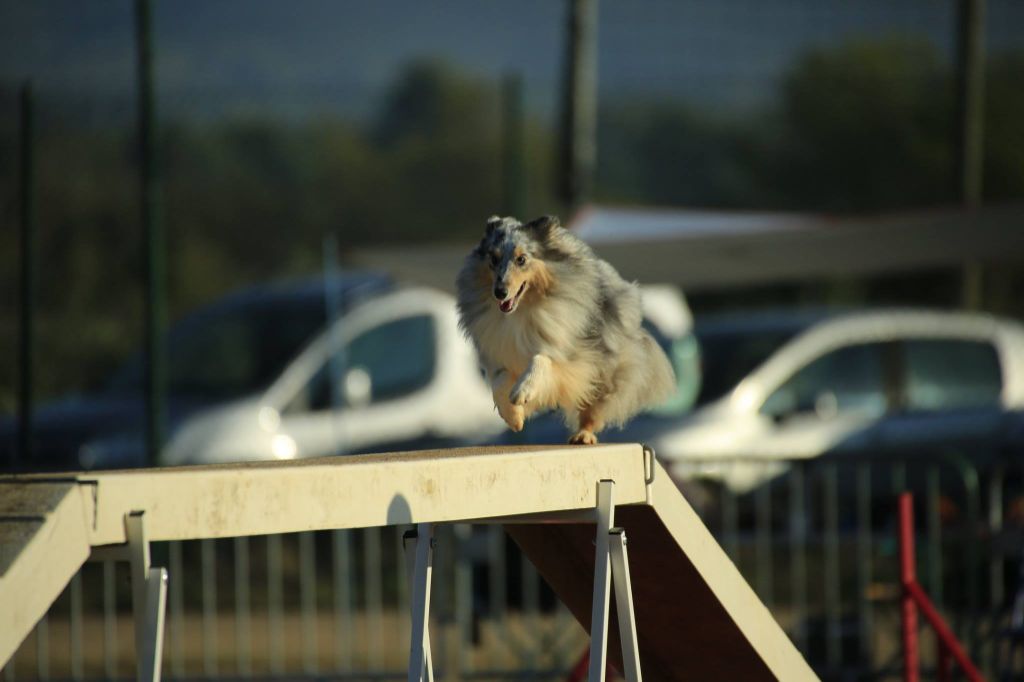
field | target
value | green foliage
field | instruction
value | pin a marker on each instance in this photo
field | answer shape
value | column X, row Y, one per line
column 432, row 103
column 1004, row 128
column 243, row 201
column 867, row 126
column 671, row 153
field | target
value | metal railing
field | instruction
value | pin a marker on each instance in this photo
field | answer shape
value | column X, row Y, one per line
column 320, row 604
column 815, row 538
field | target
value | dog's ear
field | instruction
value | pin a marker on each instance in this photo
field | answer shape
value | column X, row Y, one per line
column 543, row 227
column 492, row 223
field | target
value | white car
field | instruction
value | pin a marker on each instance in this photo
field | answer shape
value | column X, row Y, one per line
column 393, row 372
column 780, row 386
column 264, row 374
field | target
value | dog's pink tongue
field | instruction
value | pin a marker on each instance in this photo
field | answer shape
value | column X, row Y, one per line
column 505, row 306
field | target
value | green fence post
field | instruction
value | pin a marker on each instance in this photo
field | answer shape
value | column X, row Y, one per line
column 23, row 456
column 578, row 157
column 153, row 249
column 513, row 182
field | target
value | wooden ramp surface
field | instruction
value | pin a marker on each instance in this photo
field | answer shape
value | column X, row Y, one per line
column 43, row 542
column 697, row 618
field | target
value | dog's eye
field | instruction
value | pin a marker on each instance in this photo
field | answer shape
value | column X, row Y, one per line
column 494, row 260
column 521, row 261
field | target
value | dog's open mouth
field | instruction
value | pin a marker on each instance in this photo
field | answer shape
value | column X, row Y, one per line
column 509, row 304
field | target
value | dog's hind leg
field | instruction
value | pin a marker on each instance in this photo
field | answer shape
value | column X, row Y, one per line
column 590, row 424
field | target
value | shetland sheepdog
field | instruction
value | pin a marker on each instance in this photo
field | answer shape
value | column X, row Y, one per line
column 556, row 327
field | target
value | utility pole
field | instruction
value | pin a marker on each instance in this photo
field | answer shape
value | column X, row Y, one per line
column 513, row 139
column 153, row 249
column 578, row 156
column 970, row 94
column 23, row 456
column 970, row 149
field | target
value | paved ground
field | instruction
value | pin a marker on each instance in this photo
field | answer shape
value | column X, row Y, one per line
column 544, row 643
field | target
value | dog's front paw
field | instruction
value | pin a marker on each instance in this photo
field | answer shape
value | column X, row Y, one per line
column 514, row 416
column 522, row 392
column 583, row 437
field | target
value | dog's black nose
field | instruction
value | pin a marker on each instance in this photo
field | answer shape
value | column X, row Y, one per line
column 500, row 293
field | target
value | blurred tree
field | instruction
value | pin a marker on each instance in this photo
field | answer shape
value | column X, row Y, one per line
column 433, row 101
column 671, row 153
column 860, row 127
column 863, row 126
column 1004, row 128
column 866, row 126
column 246, row 200
column 438, row 133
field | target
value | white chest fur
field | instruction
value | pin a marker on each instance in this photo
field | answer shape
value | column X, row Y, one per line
column 510, row 341
column 548, row 328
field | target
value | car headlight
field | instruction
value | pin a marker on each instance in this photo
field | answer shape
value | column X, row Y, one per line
column 283, row 446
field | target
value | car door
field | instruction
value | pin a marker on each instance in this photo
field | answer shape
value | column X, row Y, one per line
column 831, row 404
column 950, row 397
column 374, row 388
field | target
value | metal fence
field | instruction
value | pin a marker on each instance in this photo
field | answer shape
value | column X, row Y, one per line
column 325, row 605
column 815, row 538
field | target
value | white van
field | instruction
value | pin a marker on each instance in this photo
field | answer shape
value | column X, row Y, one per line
column 265, row 374
column 393, row 372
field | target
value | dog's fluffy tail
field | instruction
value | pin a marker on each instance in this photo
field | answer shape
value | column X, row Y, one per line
column 644, row 378
column 660, row 379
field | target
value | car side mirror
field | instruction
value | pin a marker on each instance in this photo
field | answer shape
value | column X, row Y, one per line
column 826, row 406
column 779, row 407
column 357, row 387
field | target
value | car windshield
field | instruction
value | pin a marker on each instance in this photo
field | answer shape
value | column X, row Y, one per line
column 230, row 351
column 728, row 355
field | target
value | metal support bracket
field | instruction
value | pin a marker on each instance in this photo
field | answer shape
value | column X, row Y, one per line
column 605, row 517
column 611, row 563
column 420, row 566
column 149, row 600
column 650, row 468
column 624, row 604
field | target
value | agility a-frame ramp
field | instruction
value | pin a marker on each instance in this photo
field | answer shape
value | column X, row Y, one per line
column 679, row 609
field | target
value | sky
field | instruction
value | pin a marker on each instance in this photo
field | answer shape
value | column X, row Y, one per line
column 335, row 57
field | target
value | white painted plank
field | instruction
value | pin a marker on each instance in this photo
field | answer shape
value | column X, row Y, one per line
column 361, row 491
column 43, row 542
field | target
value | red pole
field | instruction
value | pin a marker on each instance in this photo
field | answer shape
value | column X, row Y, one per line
column 914, row 598
column 907, row 578
column 579, row 671
column 949, row 641
column 943, row 675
